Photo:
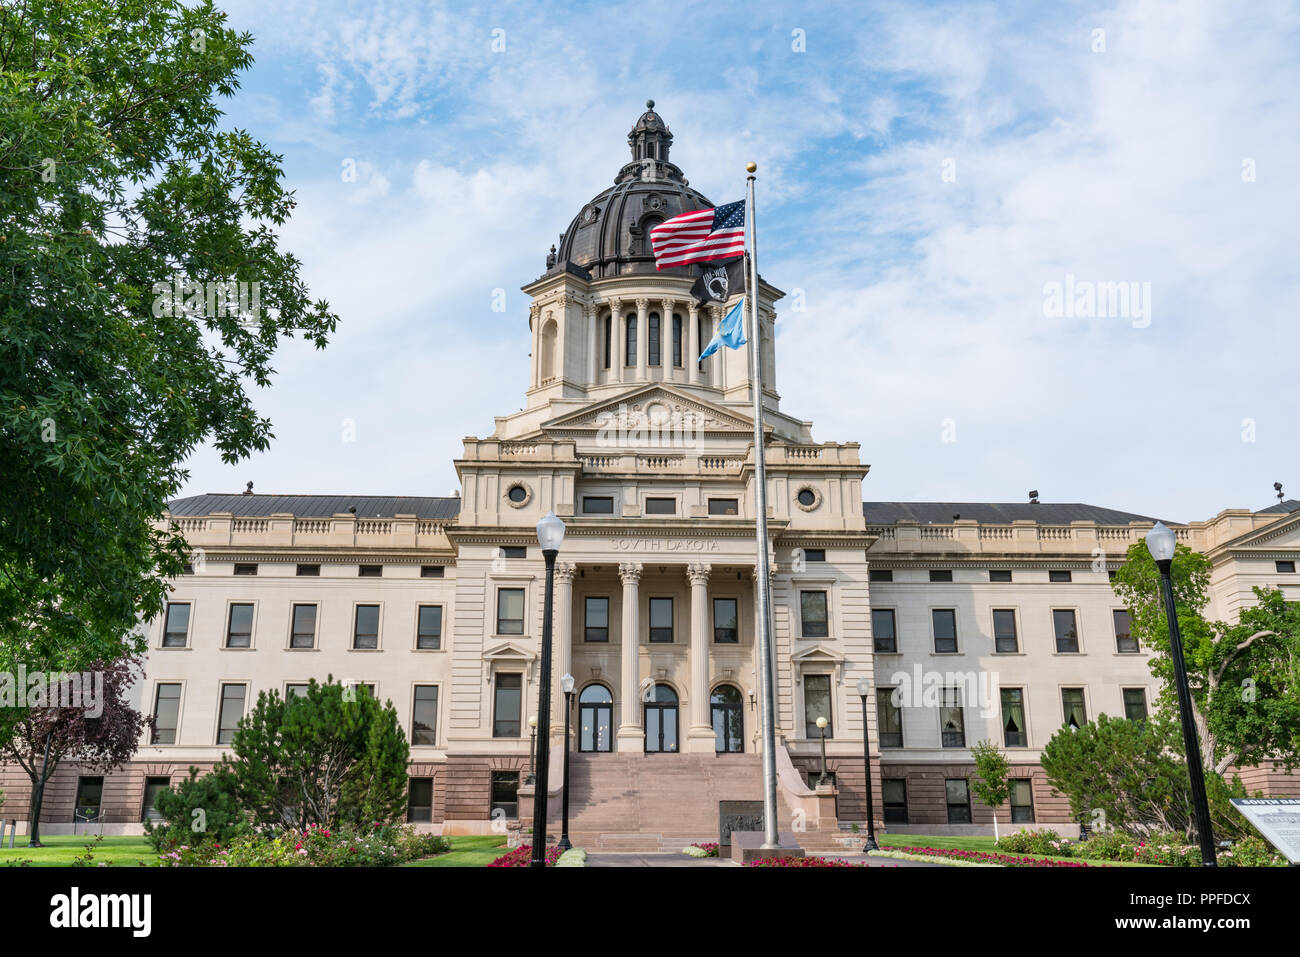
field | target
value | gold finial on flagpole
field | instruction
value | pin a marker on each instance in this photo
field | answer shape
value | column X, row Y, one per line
column 751, row 167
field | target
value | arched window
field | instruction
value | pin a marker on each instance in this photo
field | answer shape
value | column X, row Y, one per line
column 677, row 341
column 630, row 357
column 660, row 720
column 728, row 712
column 654, row 339
column 548, row 349
column 609, row 329
column 595, row 719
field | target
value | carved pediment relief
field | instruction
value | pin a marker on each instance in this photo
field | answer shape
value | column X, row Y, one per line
column 655, row 407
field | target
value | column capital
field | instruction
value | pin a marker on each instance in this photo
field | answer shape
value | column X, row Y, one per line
column 667, row 305
column 615, row 305
column 772, row 571
column 630, row 572
column 693, row 308
column 642, row 303
column 698, row 573
column 565, row 572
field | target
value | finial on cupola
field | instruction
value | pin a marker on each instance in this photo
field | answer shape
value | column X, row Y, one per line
column 550, row 257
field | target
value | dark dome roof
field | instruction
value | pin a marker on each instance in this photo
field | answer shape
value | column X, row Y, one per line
column 610, row 236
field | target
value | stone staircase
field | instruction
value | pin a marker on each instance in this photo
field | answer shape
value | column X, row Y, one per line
column 662, row 802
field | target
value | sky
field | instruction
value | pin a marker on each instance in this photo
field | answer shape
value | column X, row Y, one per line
column 1022, row 248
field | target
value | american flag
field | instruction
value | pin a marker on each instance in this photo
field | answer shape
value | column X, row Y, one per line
column 700, row 236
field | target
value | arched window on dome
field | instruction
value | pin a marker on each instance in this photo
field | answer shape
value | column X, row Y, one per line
column 630, row 352
column 653, row 342
column 609, row 331
column 549, row 331
column 677, row 341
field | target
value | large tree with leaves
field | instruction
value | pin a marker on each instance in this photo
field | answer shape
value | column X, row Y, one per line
column 119, row 181
column 1244, row 677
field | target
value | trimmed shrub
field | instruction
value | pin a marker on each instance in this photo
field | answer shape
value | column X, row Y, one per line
column 199, row 810
column 377, row 846
column 1046, row 842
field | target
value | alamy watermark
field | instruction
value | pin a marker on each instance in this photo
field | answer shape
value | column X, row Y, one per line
column 53, row 689
column 213, row 299
column 1086, row 299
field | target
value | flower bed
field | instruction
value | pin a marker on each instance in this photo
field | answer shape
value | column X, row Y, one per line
column 701, row 850
column 946, row 854
column 522, row 856
column 801, row 862
column 380, row 845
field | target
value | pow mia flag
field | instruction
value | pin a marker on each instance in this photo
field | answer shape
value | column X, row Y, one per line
column 720, row 281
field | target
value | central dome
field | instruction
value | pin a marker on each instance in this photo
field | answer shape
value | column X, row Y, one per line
column 610, row 236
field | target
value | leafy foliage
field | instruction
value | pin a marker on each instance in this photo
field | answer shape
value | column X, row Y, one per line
column 374, row 846
column 199, row 809
column 1046, row 842
column 992, row 786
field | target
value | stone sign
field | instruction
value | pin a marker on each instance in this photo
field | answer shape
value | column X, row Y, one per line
column 738, row 816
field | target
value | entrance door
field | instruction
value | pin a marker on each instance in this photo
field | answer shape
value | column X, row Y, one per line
column 728, row 720
column 595, row 719
column 661, row 720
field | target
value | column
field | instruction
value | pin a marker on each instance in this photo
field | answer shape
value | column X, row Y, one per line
column 619, row 331
column 593, row 342
column 696, row 347
column 643, row 339
column 667, row 371
column 631, row 737
column 562, row 641
column 699, row 736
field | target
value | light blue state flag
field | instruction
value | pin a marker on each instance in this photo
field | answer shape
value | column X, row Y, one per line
column 730, row 332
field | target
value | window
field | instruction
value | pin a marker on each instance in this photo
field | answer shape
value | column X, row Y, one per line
column 597, row 505
column 1125, row 643
column 505, row 795
column 806, row 497
column 1058, row 576
column 653, row 342
column 187, row 569
column 883, row 631
column 596, row 619
column 945, row 630
column 510, row 611
column 812, row 614
column 726, row 626
column 661, row 619
column 724, row 506
column 1022, row 801
column 239, row 626
column 303, row 634
column 1111, row 573
column 507, row 698
column 370, row 571
column 517, row 494
column 152, row 788
column 881, row 574
column 894, row 791
column 629, row 357
column 1075, row 714
column 419, row 801
column 951, row 723
column 661, row 506
column 999, row 575
column 90, row 796
column 424, row 715
column 433, row 571
column 677, row 340
column 307, row 571
column 940, row 574
column 1005, row 640
column 727, row 713
column 232, row 709
column 814, row 554
column 365, row 627
column 166, row 713
column 595, row 719
column 1013, row 718
column 609, row 330
column 889, row 719
column 1135, row 704
column 957, row 795
column 1285, row 567
column 817, row 704
column 245, row 569
column 1067, row 633
column 514, row 551
column 428, row 628
column 296, row 689
column 177, row 629
column 659, row 718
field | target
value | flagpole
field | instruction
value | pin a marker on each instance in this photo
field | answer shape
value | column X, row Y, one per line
column 764, row 611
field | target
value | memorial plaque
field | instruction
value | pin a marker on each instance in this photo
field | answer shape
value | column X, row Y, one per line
column 1278, row 819
column 738, row 816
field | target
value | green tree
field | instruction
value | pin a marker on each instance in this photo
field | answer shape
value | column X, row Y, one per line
column 329, row 756
column 199, row 808
column 992, row 786
column 120, row 184
column 1244, row 678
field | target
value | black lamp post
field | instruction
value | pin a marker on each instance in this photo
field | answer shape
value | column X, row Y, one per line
column 550, row 533
column 1161, row 543
column 825, row 778
column 532, row 748
column 864, row 686
column 566, row 685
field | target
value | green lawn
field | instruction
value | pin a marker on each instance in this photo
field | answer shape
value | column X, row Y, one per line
column 59, row 850
column 977, row 843
column 467, row 851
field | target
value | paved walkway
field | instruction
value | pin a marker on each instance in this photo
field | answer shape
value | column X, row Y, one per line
column 637, row 859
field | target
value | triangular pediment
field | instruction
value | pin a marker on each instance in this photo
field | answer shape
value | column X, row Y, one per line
column 817, row 654
column 509, row 651
column 655, row 406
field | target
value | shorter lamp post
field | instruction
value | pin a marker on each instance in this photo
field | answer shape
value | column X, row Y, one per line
column 532, row 746
column 1162, row 544
column 825, row 778
column 566, row 685
column 864, row 686
column 550, row 534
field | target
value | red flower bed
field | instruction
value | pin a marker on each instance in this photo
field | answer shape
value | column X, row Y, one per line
column 980, row 857
column 800, row 862
column 710, row 849
column 522, row 856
